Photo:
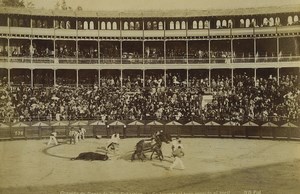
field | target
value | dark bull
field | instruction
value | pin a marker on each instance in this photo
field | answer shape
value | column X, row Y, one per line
column 91, row 156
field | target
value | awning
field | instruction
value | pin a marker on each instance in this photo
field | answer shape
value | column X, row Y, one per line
column 269, row 124
column 117, row 123
column 154, row 123
column 212, row 123
column 97, row 123
column 60, row 123
column 136, row 123
column 250, row 124
column 289, row 124
column 192, row 123
column 20, row 125
column 3, row 125
column 80, row 123
column 40, row 124
column 173, row 123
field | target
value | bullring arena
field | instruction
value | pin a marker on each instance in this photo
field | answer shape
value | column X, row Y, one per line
column 226, row 82
column 212, row 166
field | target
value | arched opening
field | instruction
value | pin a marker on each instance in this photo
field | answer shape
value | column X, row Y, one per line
column 277, row 21
column 271, row 21
column 125, row 26
column 149, row 26
column 68, row 25
column 206, row 24
column 114, row 26
column 85, row 25
column 195, row 26
column 296, row 19
column 290, row 20
column 247, row 23
column 62, row 25
column 230, row 24
column 131, row 25
column 80, row 26
column 253, row 22
column 137, row 25
column 224, row 24
column 183, row 25
column 177, row 25
column 242, row 23
column 218, row 24
column 160, row 26
column 154, row 25
column 92, row 25
column 103, row 26
column 265, row 22
column 171, row 25
column 200, row 24
column 109, row 25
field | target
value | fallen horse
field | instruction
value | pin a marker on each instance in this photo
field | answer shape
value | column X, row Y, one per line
column 91, row 156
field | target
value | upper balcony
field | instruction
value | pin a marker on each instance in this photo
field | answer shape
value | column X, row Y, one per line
column 226, row 32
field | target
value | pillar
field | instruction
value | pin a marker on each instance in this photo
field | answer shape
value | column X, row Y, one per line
column 209, row 77
column 165, row 52
column 187, row 78
column 144, row 78
column 31, row 77
column 99, row 78
column 8, row 77
column 165, row 77
column 54, row 77
column 255, row 76
column 187, row 52
column 232, row 77
column 278, row 71
column 77, row 79
column 121, row 78
column 209, row 55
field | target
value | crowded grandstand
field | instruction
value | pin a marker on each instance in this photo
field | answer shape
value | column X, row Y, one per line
column 216, row 65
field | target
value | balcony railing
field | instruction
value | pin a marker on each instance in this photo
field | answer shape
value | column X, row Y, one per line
column 158, row 60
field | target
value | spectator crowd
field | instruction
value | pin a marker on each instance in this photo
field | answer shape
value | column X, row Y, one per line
column 243, row 100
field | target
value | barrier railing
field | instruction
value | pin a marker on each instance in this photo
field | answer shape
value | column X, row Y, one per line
column 144, row 128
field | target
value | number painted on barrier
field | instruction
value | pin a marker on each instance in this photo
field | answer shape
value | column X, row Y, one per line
column 19, row 133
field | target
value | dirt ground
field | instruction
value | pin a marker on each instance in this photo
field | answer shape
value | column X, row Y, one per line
column 213, row 166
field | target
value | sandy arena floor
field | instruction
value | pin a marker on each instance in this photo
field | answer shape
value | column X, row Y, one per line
column 213, row 166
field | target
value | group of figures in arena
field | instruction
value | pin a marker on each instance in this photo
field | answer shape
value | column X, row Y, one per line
column 74, row 135
column 152, row 145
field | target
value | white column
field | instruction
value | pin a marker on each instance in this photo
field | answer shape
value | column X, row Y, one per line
column 165, row 77
column 31, row 77
column 54, row 77
column 187, row 78
column 278, row 71
column 255, row 76
column 99, row 78
column 144, row 78
column 209, row 77
column 77, row 79
column 8, row 77
column 121, row 78
column 232, row 77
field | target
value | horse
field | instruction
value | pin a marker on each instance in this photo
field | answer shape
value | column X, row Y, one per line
column 151, row 145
